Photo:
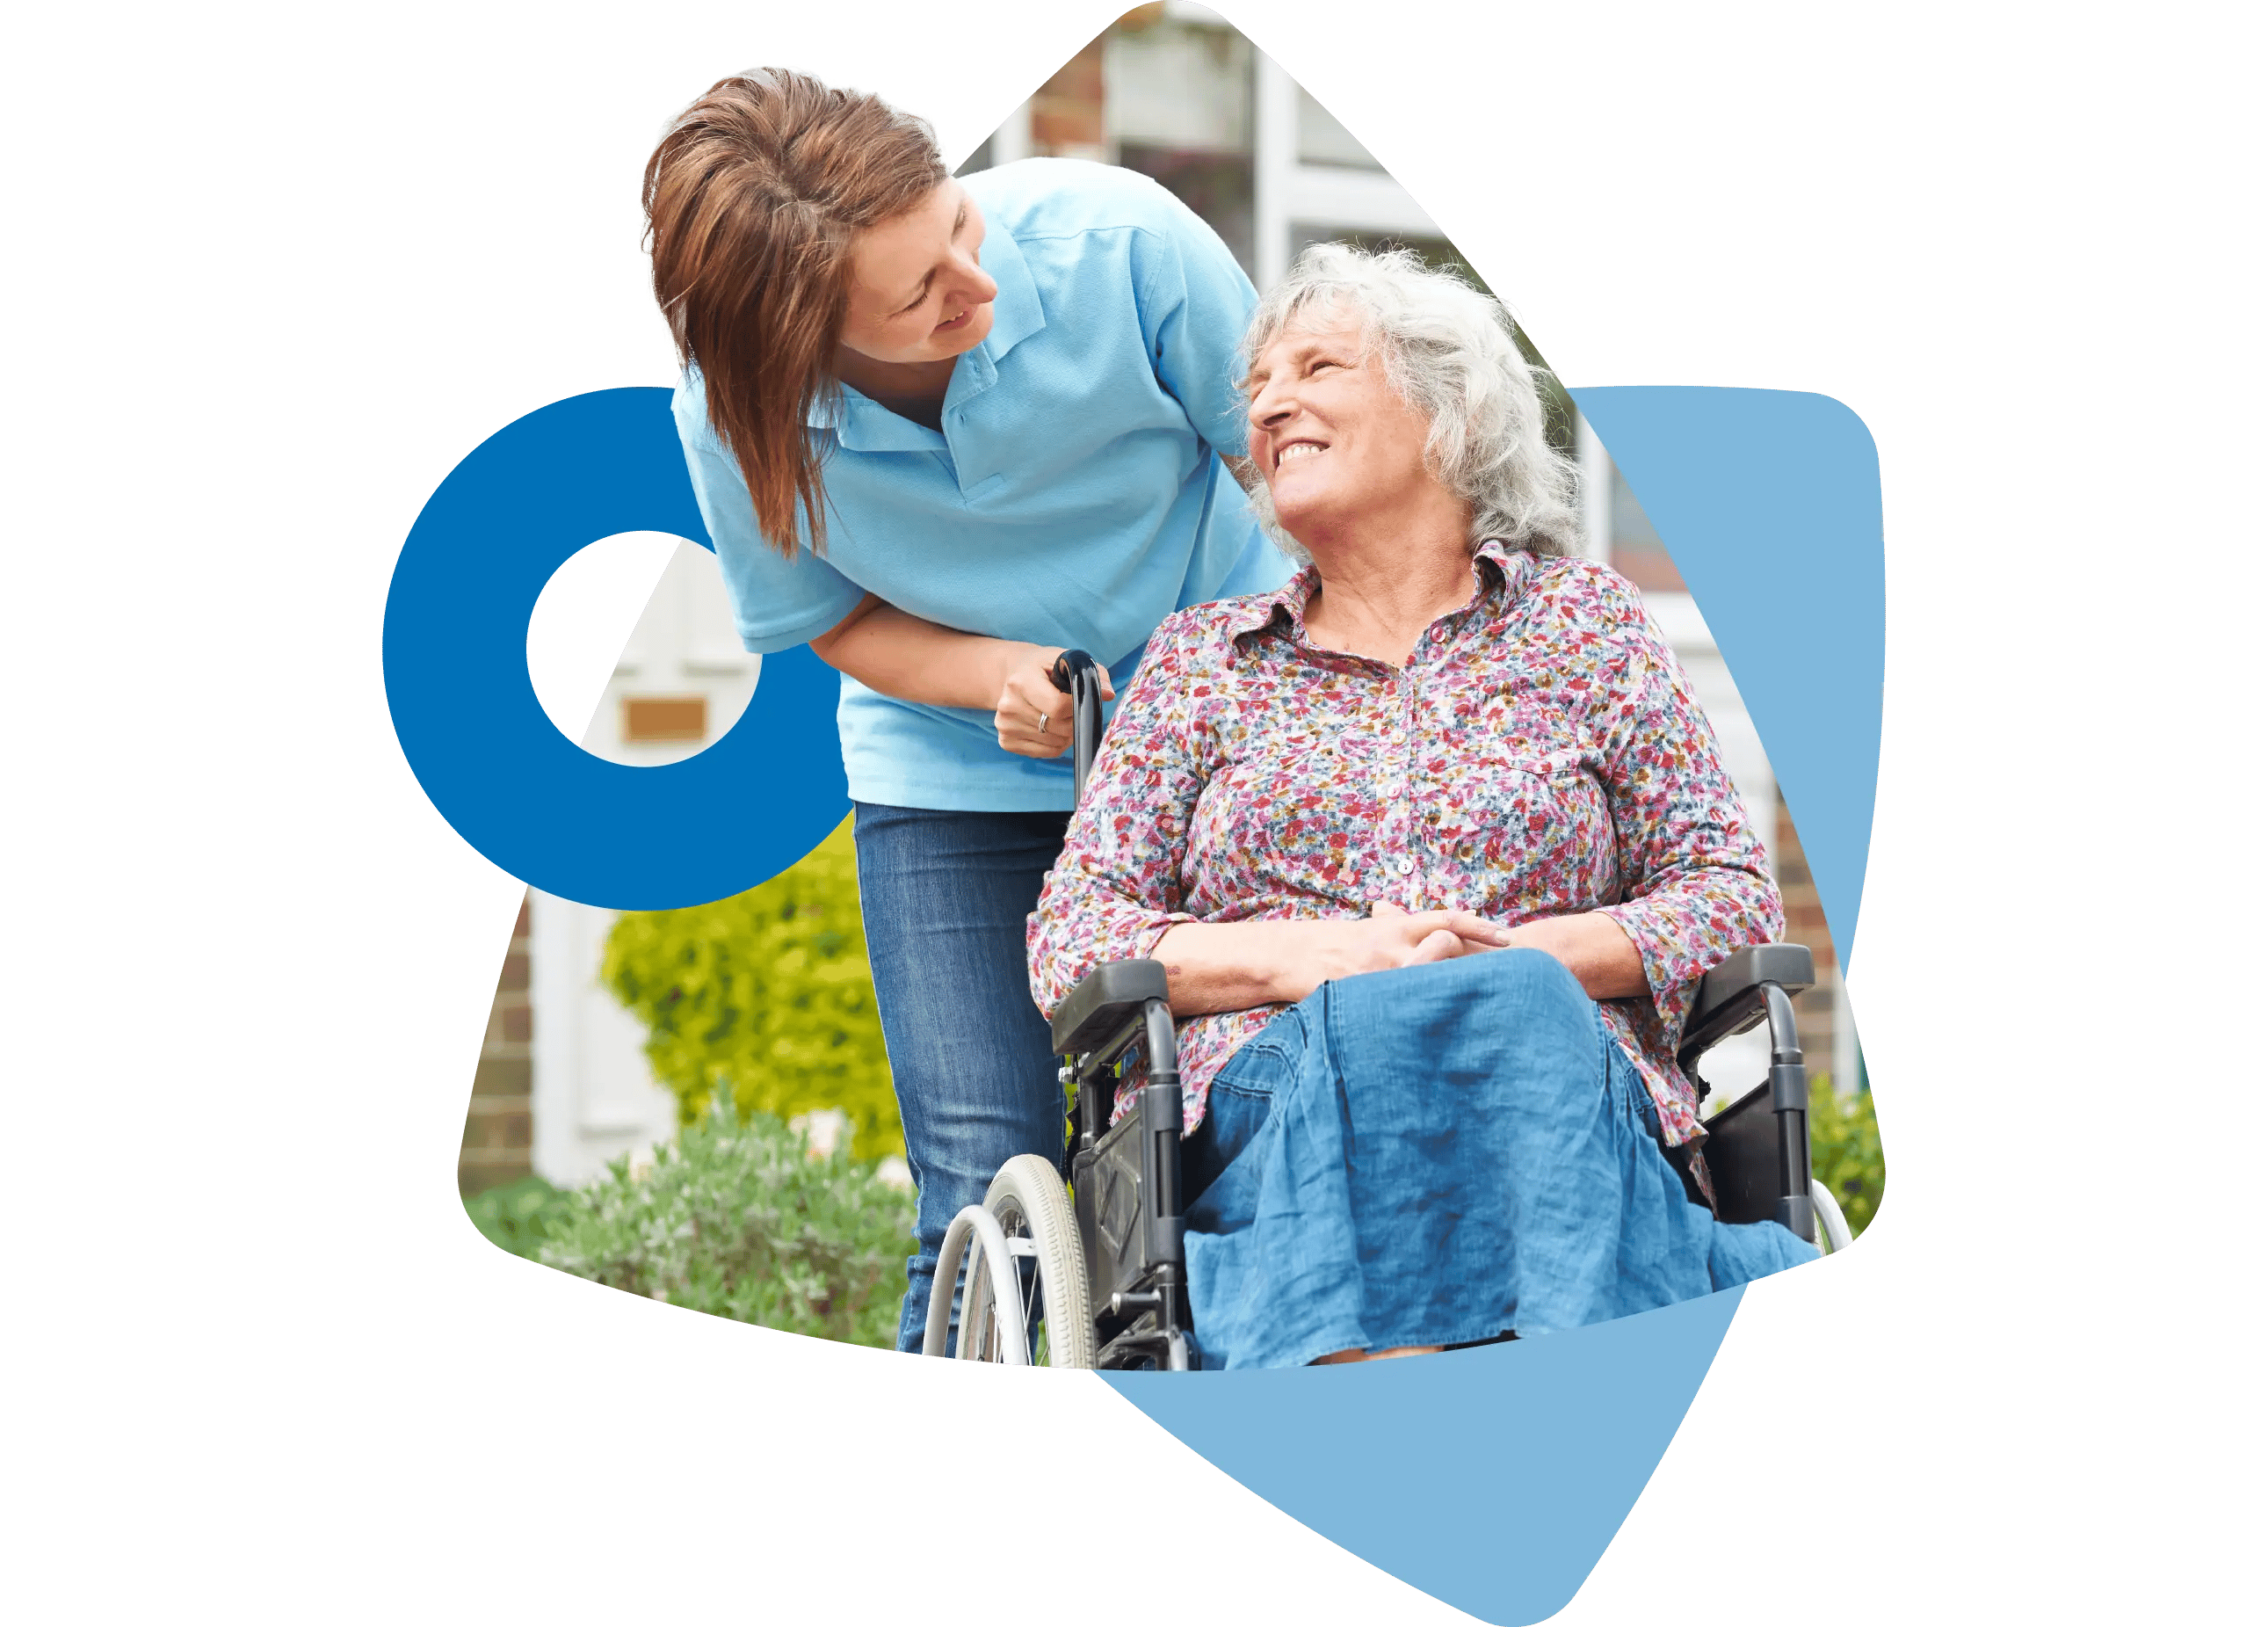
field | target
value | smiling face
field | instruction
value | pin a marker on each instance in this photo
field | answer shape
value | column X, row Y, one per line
column 917, row 294
column 1334, row 442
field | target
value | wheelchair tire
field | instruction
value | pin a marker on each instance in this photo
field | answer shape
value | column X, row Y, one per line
column 1834, row 1230
column 1029, row 1200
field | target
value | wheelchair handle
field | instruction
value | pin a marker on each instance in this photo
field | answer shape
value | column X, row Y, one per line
column 1076, row 674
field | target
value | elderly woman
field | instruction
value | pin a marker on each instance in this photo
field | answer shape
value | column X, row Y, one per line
column 1435, row 845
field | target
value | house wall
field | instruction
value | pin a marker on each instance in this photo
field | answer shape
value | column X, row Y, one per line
column 1821, row 1017
column 499, row 1122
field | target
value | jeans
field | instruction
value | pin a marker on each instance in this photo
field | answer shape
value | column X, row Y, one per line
column 945, row 896
column 1435, row 1156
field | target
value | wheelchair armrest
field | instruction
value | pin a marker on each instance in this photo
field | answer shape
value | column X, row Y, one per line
column 1106, row 999
column 1759, row 1148
column 1731, row 1000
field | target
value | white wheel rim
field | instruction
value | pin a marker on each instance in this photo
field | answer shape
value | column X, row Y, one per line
column 992, row 1278
column 1832, row 1227
column 938, row 1332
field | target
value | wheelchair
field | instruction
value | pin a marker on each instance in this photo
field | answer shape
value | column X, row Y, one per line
column 1092, row 1275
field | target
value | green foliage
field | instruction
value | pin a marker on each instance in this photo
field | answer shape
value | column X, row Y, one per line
column 742, row 1218
column 767, row 994
column 515, row 1218
column 1846, row 1150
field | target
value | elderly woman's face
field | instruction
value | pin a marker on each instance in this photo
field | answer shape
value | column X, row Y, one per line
column 1334, row 441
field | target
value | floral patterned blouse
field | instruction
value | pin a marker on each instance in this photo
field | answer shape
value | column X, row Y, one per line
column 1542, row 754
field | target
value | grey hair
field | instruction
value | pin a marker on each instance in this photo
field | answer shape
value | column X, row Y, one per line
column 1448, row 349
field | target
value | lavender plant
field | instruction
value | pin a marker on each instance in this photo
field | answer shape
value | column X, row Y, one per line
column 742, row 1218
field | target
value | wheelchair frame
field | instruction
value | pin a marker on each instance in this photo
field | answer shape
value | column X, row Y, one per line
column 1096, row 1279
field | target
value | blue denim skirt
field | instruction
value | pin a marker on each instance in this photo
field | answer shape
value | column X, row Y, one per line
column 1441, row 1154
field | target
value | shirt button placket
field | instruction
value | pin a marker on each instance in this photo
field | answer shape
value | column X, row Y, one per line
column 1405, row 771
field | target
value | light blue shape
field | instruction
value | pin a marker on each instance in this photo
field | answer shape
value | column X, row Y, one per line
column 1493, row 1478
column 1770, row 502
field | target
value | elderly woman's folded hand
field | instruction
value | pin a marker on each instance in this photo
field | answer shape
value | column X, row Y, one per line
column 1232, row 967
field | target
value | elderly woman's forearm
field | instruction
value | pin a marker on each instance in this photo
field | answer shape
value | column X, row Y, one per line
column 1593, row 947
column 1229, row 967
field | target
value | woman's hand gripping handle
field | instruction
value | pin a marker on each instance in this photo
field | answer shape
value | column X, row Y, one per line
column 1030, row 716
column 899, row 655
column 1075, row 673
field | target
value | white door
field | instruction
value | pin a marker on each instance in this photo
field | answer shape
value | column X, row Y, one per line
column 679, row 681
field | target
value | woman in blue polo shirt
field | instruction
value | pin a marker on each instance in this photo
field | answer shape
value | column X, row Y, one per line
column 941, row 432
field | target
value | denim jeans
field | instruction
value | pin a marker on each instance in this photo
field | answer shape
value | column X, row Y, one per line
column 945, row 896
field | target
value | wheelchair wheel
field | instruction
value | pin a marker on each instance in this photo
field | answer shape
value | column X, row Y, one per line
column 1834, row 1230
column 1052, row 1322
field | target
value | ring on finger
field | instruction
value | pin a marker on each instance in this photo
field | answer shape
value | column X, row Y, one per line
column 1043, row 722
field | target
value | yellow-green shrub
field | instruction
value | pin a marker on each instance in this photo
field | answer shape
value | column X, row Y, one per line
column 767, row 993
column 1846, row 1150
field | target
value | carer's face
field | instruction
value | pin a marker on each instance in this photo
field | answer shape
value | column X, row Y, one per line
column 917, row 292
column 1333, row 440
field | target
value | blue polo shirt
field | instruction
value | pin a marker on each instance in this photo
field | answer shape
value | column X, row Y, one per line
column 1076, row 495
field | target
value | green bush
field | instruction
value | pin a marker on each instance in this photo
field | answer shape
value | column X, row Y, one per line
column 1846, row 1150
column 767, row 994
column 742, row 1218
column 515, row 1218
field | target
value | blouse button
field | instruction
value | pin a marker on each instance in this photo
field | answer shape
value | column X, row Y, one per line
column 1405, row 864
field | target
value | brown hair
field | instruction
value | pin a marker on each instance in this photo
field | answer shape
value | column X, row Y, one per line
column 751, row 201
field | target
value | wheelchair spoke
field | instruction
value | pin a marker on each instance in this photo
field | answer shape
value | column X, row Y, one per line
column 1029, row 1304
column 988, row 1333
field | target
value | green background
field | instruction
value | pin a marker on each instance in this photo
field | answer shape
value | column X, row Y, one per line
column 277, row 267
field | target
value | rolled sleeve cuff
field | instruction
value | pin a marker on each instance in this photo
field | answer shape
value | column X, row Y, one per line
column 1152, row 933
column 1672, row 978
column 1066, row 951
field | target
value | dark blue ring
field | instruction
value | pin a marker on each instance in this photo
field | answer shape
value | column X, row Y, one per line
column 531, row 800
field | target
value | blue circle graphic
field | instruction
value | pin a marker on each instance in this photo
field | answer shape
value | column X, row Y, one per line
column 532, row 802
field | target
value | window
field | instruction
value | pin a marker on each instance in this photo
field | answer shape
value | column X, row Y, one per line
column 1177, row 106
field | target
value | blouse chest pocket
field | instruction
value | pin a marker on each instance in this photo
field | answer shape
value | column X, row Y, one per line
column 1289, row 811
column 1533, row 824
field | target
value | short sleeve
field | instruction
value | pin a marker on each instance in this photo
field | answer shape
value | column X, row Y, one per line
column 777, row 604
column 1195, row 301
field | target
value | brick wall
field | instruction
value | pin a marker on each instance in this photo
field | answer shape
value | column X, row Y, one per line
column 1807, row 924
column 1067, row 110
column 498, row 1123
